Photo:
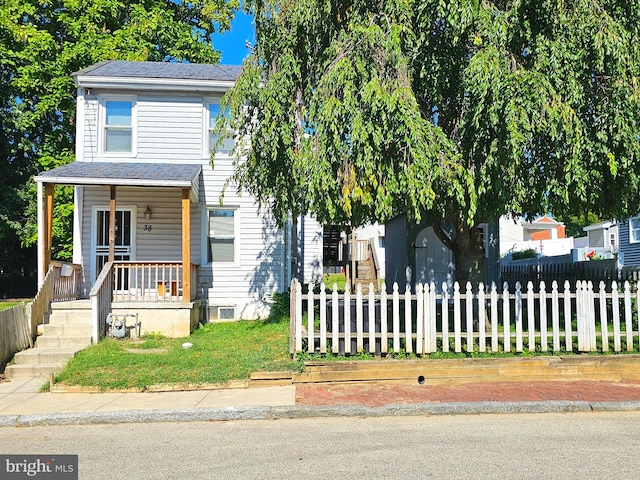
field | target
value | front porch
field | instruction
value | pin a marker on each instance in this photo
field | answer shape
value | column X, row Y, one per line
column 131, row 220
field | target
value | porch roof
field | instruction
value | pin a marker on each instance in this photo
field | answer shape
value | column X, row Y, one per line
column 124, row 174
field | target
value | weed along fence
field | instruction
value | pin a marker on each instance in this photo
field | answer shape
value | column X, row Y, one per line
column 574, row 317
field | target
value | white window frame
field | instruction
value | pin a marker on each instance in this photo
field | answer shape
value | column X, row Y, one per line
column 102, row 143
column 206, row 129
column 634, row 238
column 207, row 239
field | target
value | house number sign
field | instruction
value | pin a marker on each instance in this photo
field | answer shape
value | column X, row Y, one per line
column 147, row 227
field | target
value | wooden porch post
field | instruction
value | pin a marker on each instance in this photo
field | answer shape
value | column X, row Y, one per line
column 48, row 224
column 112, row 223
column 186, row 245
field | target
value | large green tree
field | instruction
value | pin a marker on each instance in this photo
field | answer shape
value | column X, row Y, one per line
column 452, row 111
column 42, row 43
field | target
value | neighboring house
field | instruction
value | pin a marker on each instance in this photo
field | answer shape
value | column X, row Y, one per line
column 602, row 235
column 144, row 139
column 629, row 242
column 544, row 235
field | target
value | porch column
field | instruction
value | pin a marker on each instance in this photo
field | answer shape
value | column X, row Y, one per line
column 112, row 224
column 47, row 227
column 186, row 245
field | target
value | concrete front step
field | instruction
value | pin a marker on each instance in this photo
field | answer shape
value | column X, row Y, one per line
column 65, row 317
column 77, row 311
column 31, row 371
column 46, row 355
column 67, row 329
column 79, row 341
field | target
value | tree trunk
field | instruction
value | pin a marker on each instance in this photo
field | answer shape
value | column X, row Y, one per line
column 467, row 246
column 470, row 266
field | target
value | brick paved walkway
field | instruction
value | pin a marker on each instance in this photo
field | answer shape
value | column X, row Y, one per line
column 375, row 395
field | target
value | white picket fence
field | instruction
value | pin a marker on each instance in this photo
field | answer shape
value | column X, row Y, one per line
column 580, row 319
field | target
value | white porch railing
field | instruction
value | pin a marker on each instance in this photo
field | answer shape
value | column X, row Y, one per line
column 151, row 282
column 427, row 321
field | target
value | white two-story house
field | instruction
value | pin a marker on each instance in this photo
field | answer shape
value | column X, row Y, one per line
column 150, row 226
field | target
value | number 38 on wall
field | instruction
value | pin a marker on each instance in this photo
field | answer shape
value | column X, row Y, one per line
column 147, row 227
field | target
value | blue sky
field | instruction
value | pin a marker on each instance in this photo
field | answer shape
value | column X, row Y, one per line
column 232, row 42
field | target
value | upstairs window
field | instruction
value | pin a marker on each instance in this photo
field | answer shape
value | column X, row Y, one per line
column 222, row 235
column 634, row 230
column 227, row 145
column 118, row 126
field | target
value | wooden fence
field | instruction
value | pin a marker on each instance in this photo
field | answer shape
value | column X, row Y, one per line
column 570, row 318
column 15, row 330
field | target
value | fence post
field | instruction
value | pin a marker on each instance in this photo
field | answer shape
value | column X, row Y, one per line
column 469, row 316
column 615, row 313
column 531, row 317
column 310, row 321
column 335, row 328
column 494, row 318
column 408, row 330
column 555, row 316
column 347, row 319
column 359, row 326
column 543, row 318
column 593, row 344
column 482, row 344
column 419, row 318
column 292, row 318
column 627, row 316
column 603, row 317
column 396, row 318
column 372, row 320
column 506, row 324
column 444, row 307
column 518, row 314
column 580, row 316
column 384, row 329
column 323, row 319
column 457, row 329
column 298, row 307
column 433, row 313
column 568, row 333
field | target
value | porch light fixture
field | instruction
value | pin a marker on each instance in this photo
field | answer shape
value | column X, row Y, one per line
column 147, row 213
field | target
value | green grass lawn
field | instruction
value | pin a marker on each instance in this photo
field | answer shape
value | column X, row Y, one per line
column 5, row 304
column 220, row 352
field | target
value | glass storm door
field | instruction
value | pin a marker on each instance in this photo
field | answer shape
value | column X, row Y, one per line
column 123, row 238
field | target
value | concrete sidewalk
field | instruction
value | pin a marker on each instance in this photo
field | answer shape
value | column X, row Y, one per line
column 22, row 405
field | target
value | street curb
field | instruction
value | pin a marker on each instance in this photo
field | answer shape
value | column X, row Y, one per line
column 301, row 412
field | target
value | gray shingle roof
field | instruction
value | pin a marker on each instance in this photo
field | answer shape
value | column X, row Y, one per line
column 112, row 173
column 189, row 71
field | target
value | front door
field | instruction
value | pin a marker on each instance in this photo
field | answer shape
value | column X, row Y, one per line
column 124, row 237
